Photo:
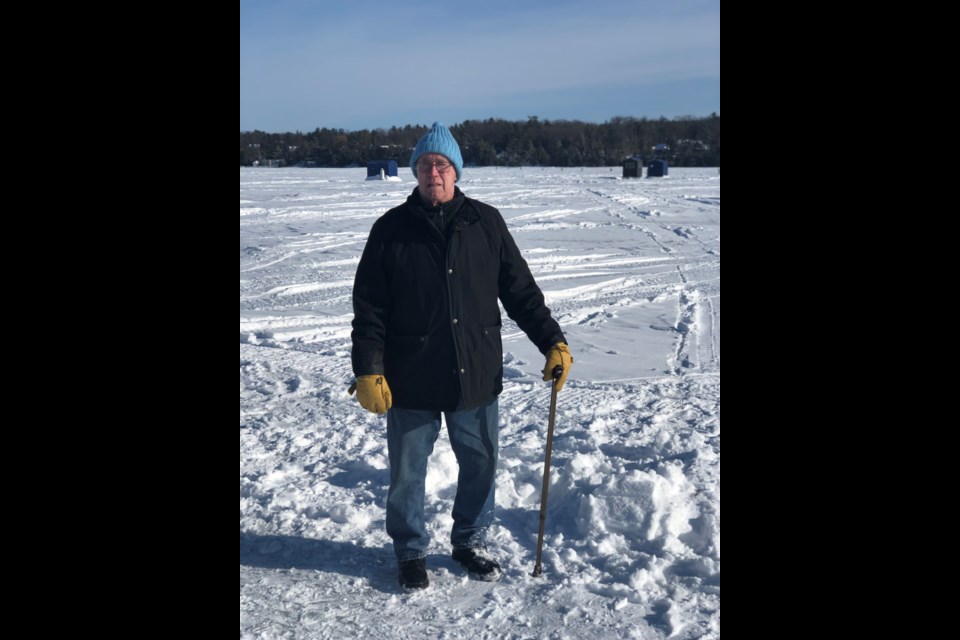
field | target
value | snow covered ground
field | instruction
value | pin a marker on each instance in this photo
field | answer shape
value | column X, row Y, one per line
column 631, row 270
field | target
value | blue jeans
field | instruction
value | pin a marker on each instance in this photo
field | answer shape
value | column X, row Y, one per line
column 410, row 437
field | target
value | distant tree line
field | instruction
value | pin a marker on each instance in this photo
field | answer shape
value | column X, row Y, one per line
column 691, row 142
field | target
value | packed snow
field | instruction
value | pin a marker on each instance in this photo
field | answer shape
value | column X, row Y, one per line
column 631, row 270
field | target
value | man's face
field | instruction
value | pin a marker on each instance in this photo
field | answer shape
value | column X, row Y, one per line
column 436, row 177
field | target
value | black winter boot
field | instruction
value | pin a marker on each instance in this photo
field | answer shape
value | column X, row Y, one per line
column 413, row 574
column 478, row 563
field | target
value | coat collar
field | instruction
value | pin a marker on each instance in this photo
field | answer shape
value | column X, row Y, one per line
column 454, row 207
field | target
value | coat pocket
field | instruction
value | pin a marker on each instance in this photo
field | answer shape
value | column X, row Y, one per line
column 491, row 358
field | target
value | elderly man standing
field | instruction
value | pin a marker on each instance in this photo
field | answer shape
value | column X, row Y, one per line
column 426, row 319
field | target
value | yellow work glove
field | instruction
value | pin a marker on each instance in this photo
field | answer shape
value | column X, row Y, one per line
column 373, row 392
column 558, row 354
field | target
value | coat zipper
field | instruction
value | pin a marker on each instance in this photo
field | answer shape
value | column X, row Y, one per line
column 453, row 327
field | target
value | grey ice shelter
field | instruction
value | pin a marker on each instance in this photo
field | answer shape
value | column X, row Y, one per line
column 633, row 168
column 389, row 168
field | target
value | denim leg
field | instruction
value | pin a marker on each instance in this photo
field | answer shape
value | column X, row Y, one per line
column 410, row 438
column 473, row 437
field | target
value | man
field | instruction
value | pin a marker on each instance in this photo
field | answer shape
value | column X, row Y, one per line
column 426, row 319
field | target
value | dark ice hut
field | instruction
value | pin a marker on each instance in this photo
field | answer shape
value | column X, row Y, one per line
column 633, row 168
column 657, row 169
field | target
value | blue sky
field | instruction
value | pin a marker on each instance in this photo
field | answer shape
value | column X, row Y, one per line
column 363, row 65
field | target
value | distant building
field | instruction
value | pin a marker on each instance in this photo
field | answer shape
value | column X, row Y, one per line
column 382, row 170
column 633, row 167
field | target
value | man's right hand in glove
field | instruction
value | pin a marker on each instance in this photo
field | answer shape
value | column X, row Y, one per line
column 373, row 392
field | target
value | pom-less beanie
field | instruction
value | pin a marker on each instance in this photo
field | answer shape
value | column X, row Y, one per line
column 438, row 140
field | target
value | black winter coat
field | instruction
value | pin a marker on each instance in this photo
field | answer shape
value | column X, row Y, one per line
column 425, row 303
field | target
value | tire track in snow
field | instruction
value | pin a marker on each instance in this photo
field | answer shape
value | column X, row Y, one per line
column 326, row 244
column 685, row 327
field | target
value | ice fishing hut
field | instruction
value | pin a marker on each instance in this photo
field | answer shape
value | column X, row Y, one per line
column 657, row 169
column 382, row 170
column 658, row 166
column 633, row 167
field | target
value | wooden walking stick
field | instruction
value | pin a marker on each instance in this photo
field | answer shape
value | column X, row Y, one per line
column 557, row 372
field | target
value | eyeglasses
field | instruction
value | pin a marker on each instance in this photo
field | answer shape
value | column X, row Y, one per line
column 428, row 167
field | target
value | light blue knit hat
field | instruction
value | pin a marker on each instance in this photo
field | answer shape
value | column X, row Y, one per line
column 438, row 140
